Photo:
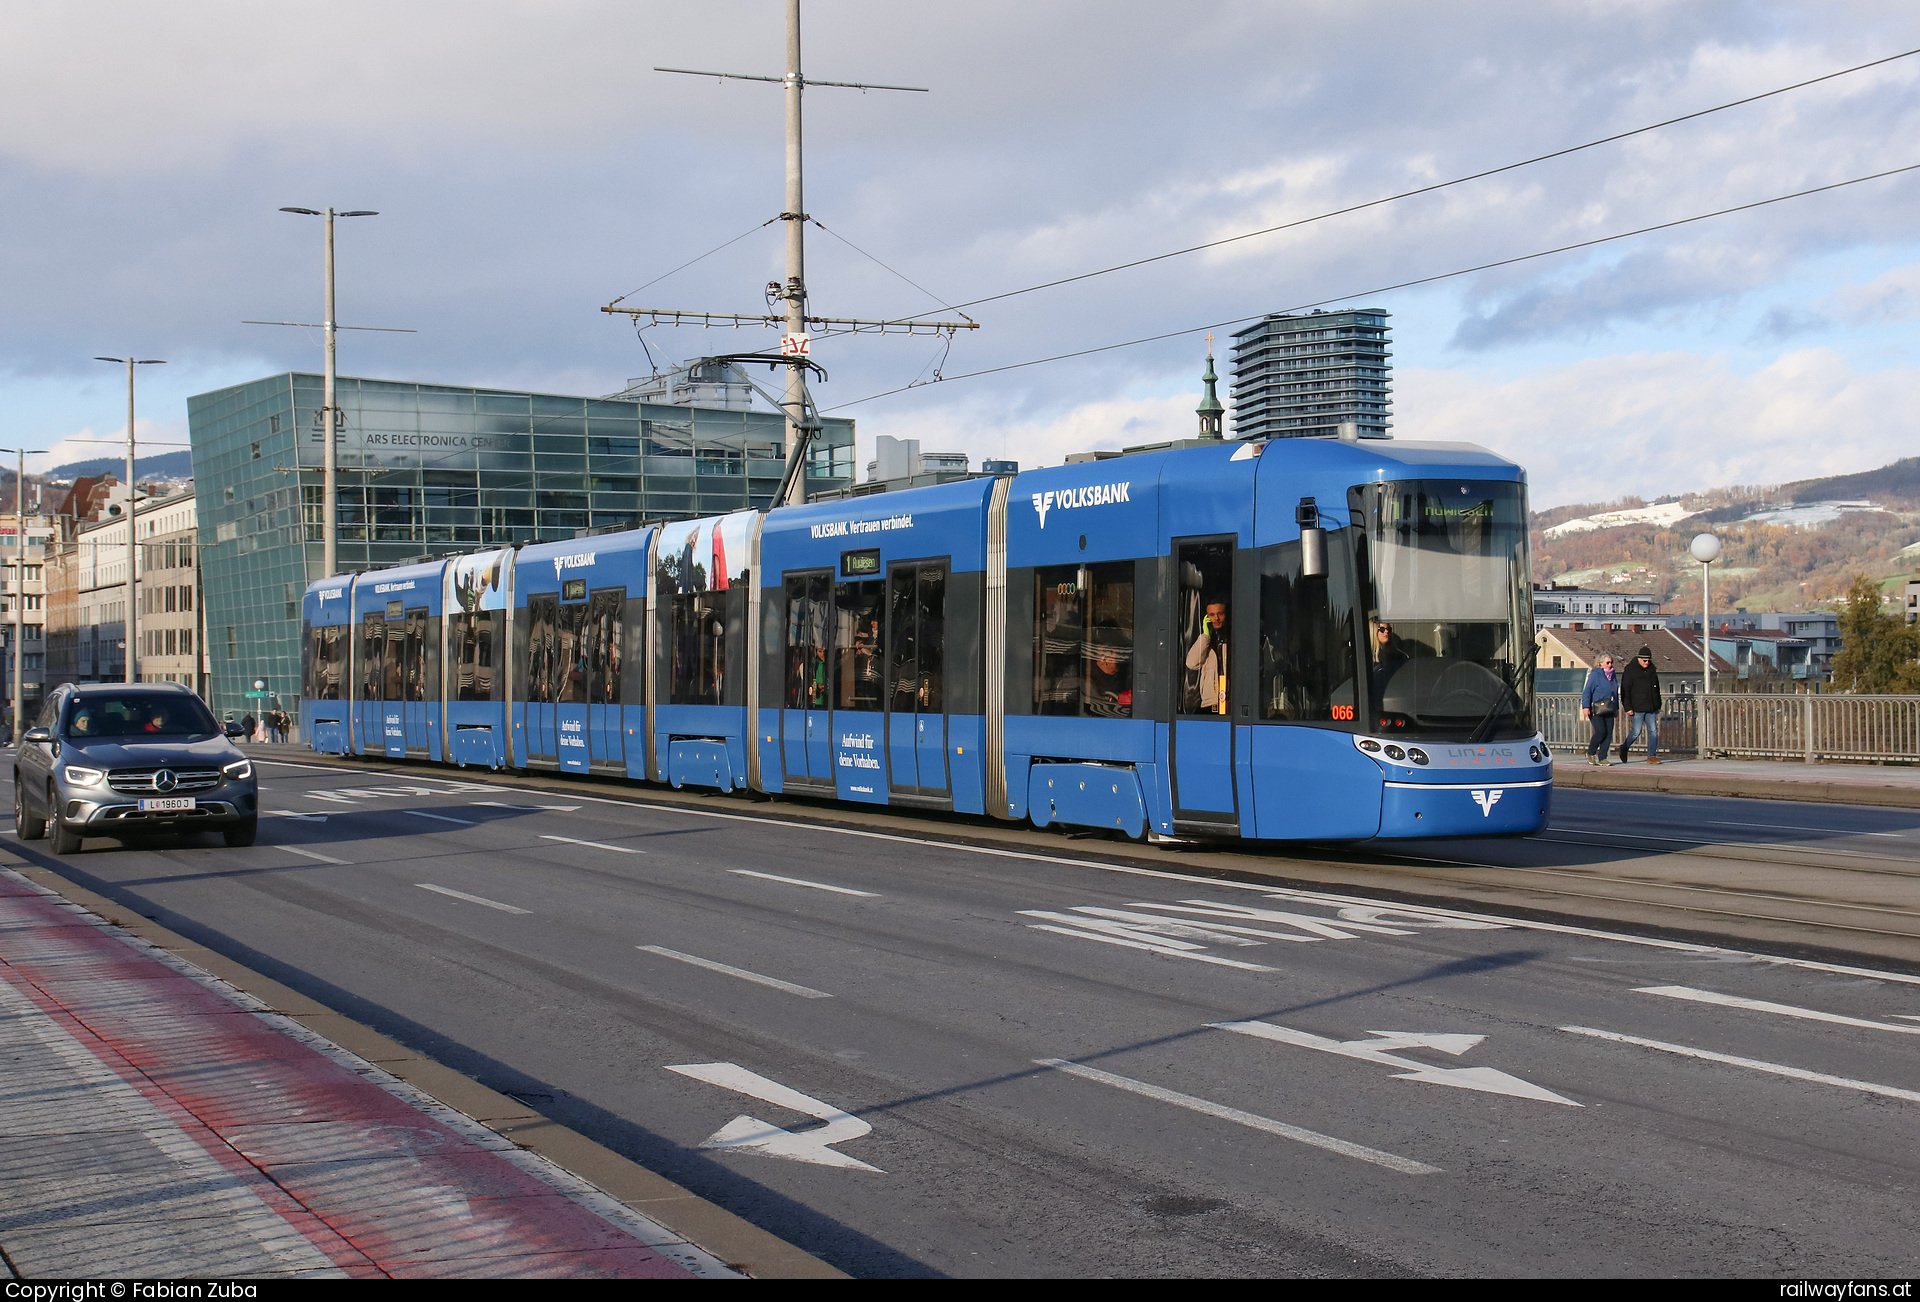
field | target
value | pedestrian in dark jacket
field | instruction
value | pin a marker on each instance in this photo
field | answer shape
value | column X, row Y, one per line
column 1599, row 706
column 1640, row 701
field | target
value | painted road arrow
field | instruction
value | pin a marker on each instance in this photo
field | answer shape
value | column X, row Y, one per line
column 762, row 1137
column 1485, row 1079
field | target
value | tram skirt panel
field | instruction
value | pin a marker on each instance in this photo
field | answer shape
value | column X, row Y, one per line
column 1087, row 795
column 1433, row 809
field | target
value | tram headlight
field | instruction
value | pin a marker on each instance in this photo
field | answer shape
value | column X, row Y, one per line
column 1533, row 753
column 1369, row 745
column 1395, row 753
column 1417, row 755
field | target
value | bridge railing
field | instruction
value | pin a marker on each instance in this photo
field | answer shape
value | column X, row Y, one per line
column 1762, row 726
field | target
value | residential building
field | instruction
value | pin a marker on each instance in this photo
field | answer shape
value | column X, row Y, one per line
column 1818, row 630
column 430, row 470
column 1912, row 605
column 87, row 592
column 23, row 608
column 1305, row 376
column 1566, row 654
column 1555, row 606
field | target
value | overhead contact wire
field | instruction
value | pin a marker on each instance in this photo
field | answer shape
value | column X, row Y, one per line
column 1384, row 289
column 1427, row 189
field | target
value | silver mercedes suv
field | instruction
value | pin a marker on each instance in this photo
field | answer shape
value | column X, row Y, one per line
column 112, row 759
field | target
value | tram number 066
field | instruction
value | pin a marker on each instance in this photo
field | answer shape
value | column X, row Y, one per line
column 1343, row 713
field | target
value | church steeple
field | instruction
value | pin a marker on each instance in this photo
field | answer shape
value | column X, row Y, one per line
column 1210, row 411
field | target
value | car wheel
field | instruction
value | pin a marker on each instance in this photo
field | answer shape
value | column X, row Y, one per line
column 239, row 834
column 62, row 839
column 29, row 827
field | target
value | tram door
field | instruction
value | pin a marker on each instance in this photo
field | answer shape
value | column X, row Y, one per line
column 606, row 643
column 916, row 679
column 373, row 677
column 544, row 675
column 415, row 660
column 806, row 749
column 1202, row 732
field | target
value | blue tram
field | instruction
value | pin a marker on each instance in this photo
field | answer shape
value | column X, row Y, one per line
column 1304, row 639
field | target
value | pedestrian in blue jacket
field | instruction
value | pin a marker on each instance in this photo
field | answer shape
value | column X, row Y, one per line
column 1600, row 706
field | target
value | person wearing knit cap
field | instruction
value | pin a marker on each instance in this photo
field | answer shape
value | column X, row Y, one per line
column 1640, row 702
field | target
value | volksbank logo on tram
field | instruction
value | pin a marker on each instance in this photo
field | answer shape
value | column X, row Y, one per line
column 1069, row 498
column 1487, row 800
column 576, row 561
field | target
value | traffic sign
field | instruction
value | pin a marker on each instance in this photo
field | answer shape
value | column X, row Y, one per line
column 796, row 345
column 258, row 696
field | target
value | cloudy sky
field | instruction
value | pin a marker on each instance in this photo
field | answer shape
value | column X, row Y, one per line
column 530, row 167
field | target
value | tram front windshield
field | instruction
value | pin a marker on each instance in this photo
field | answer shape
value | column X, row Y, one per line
column 1446, row 597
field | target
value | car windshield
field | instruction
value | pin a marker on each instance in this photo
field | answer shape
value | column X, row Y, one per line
column 1446, row 595
column 138, row 715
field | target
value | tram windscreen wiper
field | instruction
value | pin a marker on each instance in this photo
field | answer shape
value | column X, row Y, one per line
column 1484, row 729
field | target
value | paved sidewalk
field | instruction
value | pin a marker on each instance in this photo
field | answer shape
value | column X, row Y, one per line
column 1841, row 784
column 155, row 1121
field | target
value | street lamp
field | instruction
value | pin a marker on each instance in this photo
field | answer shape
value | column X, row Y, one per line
column 1706, row 550
column 19, row 574
column 133, row 567
column 328, row 412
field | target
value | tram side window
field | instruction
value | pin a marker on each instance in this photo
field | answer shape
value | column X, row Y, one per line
column 809, row 615
column 394, row 661
column 473, row 644
column 415, row 684
column 859, row 645
column 541, row 666
column 326, row 650
column 699, row 648
column 917, row 639
column 1083, row 640
column 1203, row 617
column 373, row 660
column 570, row 654
column 606, row 612
column 1307, row 635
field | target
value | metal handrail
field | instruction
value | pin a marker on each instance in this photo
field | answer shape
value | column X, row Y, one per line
column 1828, row 726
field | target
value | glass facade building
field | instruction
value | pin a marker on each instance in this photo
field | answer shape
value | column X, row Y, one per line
column 1304, row 376
column 430, row 470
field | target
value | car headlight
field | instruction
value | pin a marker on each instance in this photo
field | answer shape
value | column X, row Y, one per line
column 239, row 770
column 86, row 777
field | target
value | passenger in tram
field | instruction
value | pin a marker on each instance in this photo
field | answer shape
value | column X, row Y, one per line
column 1110, row 676
column 1208, row 656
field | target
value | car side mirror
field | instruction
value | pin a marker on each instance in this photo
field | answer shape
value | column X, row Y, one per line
column 38, row 734
column 233, row 730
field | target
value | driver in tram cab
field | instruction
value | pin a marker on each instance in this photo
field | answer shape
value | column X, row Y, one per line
column 1387, row 654
column 1110, row 677
column 1208, row 655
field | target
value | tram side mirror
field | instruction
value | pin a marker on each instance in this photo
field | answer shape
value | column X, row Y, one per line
column 1313, row 540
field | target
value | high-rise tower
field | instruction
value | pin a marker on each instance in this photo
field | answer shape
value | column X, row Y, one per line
column 1305, row 376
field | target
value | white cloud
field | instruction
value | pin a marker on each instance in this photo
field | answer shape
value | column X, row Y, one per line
column 1653, row 424
column 1892, row 297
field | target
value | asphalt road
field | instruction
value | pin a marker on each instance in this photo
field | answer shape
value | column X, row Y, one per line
column 926, row 1058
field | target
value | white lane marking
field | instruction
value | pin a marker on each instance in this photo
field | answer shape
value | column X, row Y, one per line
column 1484, row 1079
column 1762, row 1006
column 804, row 992
column 1274, row 892
column 501, row 804
column 758, row 1136
column 1795, row 827
column 1754, row 1064
column 294, row 813
column 1677, row 839
column 470, row 899
column 1392, row 1161
column 801, row 881
column 294, row 849
column 1163, row 948
column 597, row 845
column 421, row 813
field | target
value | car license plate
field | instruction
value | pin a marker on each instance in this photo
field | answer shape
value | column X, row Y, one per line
column 163, row 803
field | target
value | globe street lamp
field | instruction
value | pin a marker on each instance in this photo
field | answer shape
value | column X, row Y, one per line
column 1706, row 550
